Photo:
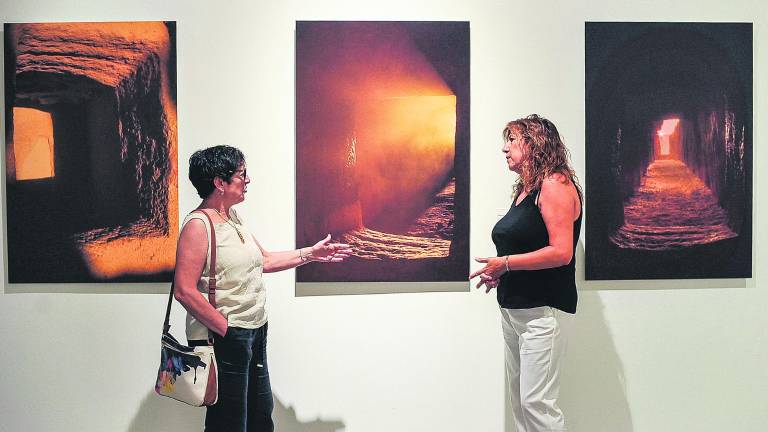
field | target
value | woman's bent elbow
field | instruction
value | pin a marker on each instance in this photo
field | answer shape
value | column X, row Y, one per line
column 564, row 257
column 181, row 297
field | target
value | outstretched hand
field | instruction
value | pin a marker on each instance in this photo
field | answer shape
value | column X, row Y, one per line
column 325, row 251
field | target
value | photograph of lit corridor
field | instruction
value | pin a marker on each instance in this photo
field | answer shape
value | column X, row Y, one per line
column 382, row 148
column 669, row 150
column 90, row 146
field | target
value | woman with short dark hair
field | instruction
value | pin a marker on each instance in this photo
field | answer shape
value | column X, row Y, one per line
column 238, row 324
column 534, row 272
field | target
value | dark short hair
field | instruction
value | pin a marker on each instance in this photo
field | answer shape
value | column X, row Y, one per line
column 207, row 164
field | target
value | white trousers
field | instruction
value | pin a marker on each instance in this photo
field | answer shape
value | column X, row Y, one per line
column 534, row 352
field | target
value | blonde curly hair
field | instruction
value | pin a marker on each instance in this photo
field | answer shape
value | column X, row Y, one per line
column 544, row 153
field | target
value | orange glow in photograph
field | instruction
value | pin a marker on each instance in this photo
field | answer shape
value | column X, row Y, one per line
column 33, row 144
column 91, row 169
column 382, row 147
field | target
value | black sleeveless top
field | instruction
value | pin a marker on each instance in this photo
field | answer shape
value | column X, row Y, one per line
column 523, row 230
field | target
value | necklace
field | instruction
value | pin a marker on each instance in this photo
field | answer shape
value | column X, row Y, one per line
column 229, row 221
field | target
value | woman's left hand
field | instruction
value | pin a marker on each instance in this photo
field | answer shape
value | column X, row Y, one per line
column 494, row 268
column 325, row 251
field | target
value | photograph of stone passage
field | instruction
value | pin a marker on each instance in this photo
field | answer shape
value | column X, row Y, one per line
column 382, row 148
column 669, row 150
column 91, row 145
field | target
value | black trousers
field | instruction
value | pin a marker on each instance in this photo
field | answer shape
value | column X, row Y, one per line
column 245, row 396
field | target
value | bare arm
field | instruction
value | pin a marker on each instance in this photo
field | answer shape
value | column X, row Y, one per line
column 323, row 251
column 191, row 255
column 559, row 205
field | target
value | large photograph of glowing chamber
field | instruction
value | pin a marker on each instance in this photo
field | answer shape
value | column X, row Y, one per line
column 669, row 150
column 91, row 144
column 382, row 149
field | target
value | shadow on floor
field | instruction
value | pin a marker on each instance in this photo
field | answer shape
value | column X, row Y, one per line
column 161, row 414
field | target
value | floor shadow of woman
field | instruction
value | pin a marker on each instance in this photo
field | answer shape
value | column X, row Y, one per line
column 160, row 414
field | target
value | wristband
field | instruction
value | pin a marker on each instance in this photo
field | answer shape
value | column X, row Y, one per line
column 506, row 262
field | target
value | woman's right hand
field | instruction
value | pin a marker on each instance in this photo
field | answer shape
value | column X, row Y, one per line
column 325, row 251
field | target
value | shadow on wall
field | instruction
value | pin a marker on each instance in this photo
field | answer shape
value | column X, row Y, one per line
column 593, row 388
column 161, row 414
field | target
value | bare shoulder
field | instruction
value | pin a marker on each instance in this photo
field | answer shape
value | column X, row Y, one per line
column 557, row 178
column 194, row 230
column 558, row 183
column 558, row 190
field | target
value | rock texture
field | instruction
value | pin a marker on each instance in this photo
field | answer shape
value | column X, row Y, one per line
column 73, row 64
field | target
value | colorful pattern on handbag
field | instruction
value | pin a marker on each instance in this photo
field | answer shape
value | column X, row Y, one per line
column 181, row 368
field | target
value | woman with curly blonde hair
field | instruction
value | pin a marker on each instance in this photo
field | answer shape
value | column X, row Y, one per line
column 534, row 272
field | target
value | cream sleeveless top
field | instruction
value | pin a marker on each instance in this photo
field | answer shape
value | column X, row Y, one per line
column 240, row 292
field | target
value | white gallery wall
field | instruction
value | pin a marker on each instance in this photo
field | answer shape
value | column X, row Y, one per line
column 651, row 356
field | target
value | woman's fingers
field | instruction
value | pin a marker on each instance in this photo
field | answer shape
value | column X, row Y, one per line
column 491, row 284
column 341, row 246
column 482, row 270
column 343, row 249
column 486, row 279
column 477, row 273
column 324, row 242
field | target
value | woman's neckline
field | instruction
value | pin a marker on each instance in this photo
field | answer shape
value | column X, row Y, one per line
column 517, row 204
column 222, row 222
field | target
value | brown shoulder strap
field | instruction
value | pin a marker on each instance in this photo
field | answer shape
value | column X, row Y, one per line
column 212, row 265
column 211, row 277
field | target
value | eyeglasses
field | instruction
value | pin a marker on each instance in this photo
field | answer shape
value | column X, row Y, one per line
column 242, row 174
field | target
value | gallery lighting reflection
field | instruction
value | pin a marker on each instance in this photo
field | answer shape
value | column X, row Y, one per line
column 33, row 144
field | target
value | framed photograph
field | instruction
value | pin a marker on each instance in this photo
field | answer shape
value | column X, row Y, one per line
column 669, row 150
column 90, row 155
column 382, row 154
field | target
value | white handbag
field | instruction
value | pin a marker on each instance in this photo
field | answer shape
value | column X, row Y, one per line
column 187, row 374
